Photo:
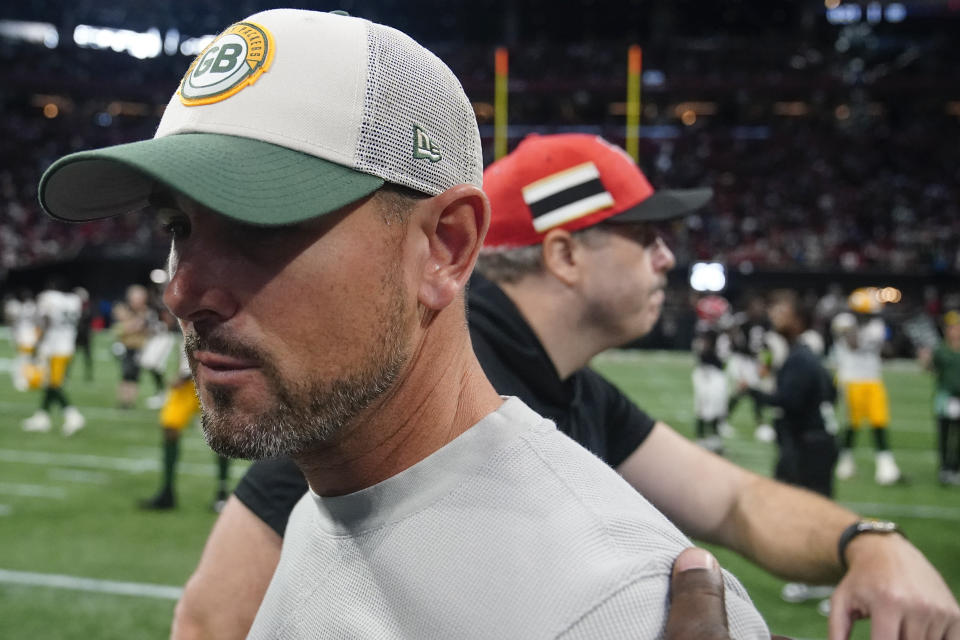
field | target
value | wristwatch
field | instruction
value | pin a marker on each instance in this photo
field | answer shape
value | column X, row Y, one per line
column 863, row 526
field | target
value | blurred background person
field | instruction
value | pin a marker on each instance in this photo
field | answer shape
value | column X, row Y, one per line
column 180, row 407
column 944, row 361
column 156, row 352
column 858, row 338
column 84, row 329
column 804, row 391
column 710, row 393
column 58, row 311
column 20, row 314
column 131, row 323
column 748, row 364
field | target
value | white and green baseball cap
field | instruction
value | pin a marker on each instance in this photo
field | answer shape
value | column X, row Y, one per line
column 285, row 116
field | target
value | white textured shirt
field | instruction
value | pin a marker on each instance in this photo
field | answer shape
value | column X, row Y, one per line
column 510, row 531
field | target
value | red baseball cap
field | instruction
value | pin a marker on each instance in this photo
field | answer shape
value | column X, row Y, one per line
column 573, row 181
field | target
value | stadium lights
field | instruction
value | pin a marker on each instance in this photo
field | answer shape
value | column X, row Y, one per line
column 158, row 276
column 193, row 46
column 137, row 44
column 791, row 108
column 42, row 100
column 36, row 32
column 707, row 276
column 890, row 295
column 874, row 12
column 147, row 44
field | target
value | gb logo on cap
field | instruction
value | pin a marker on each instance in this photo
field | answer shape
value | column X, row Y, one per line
column 232, row 61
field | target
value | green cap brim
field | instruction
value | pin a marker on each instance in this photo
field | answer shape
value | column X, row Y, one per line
column 244, row 179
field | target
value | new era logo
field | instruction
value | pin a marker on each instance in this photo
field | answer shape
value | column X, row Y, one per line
column 423, row 146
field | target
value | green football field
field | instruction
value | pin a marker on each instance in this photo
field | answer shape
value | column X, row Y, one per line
column 79, row 560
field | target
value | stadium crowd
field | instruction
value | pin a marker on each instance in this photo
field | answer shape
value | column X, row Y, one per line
column 861, row 188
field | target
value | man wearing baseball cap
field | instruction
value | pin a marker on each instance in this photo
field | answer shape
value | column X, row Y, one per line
column 574, row 264
column 328, row 168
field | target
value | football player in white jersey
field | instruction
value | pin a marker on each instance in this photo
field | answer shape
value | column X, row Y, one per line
column 858, row 339
column 156, row 352
column 58, row 311
column 21, row 317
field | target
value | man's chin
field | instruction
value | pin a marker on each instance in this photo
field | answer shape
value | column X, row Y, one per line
column 242, row 445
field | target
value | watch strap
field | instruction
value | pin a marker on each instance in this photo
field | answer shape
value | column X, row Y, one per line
column 862, row 526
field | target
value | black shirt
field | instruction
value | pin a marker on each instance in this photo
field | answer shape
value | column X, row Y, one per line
column 585, row 406
column 802, row 386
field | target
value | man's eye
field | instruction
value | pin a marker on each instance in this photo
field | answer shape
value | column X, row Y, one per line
column 176, row 228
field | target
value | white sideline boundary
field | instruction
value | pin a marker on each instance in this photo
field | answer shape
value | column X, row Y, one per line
column 99, row 413
column 90, row 585
column 33, row 490
column 928, row 511
column 107, row 463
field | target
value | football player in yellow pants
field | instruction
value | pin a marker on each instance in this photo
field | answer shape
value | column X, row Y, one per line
column 858, row 340
column 179, row 409
column 58, row 311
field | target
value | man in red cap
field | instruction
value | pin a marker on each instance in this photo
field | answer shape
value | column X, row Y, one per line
column 573, row 264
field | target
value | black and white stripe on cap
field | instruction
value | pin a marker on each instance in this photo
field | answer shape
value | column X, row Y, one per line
column 565, row 196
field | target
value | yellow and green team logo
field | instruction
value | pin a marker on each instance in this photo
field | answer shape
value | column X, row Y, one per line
column 234, row 60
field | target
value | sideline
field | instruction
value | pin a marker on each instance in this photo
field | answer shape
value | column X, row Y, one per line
column 931, row 512
column 90, row 585
column 110, row 463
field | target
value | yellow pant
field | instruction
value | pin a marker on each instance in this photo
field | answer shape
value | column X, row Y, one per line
column 181, row 406
column 867, row 401
column 58, row 370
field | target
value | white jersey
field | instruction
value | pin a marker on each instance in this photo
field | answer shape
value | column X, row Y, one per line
column 857, row 352
column 60, row 311
column 23, row 320
column 813, row 340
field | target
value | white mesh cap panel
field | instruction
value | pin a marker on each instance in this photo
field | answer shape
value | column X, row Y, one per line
column 409, row 87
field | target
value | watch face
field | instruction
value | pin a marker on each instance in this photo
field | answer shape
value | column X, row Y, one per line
column 879, row 526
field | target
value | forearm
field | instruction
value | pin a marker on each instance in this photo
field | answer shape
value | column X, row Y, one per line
column 222, row 596
column 789, row 531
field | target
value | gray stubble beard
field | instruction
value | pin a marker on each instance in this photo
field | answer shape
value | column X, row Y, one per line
column 307, row 415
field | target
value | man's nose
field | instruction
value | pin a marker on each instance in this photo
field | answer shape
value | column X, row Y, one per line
column 663, row 258
column 200, row 283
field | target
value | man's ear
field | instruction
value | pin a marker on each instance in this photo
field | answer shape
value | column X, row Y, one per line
column 454, row 225
column 562, row 256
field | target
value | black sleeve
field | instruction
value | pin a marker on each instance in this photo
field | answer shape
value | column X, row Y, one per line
column 797, row 385
column 626, row 425
column 270, row 489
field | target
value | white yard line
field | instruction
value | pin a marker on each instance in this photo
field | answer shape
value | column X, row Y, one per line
column 78, row 476
column 32, row 490
column 99, row 413
column 931, row 512
column 90, row 585
column 126, row 465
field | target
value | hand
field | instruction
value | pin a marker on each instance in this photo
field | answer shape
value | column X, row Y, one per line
column 891, row 582
column 697, row 606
